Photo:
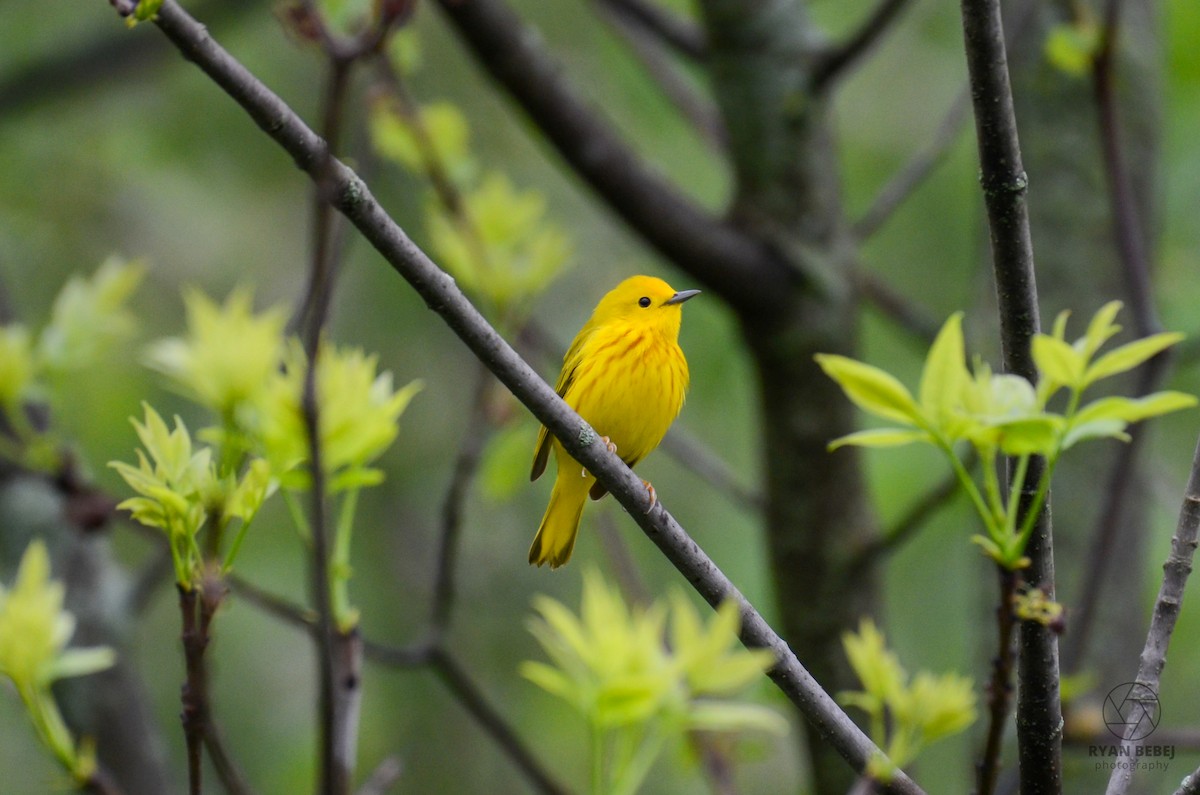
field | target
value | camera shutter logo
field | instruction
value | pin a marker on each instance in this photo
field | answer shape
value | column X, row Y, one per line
column 1131, row 711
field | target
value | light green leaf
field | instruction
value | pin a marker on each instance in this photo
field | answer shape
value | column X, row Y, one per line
column 1031, row 435
column 945, row 373
column 1100, row 329
column 1071, row 47
column 1133, row 409
column 1129, row 356
column 1095, row 429
column 721, row 716
column 871, row 389
column 1057, row 360
column 881, row 437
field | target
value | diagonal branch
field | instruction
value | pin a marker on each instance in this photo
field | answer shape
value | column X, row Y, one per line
column 739, row 267
column 353, row 198
column 837, row 61
column 677, row 32
column 1166, row 610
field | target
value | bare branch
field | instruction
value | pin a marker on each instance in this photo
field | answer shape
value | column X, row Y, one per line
column 443, row 296
column 383, row 777
column 696, row 108
column 837, row 61
column 905, row 313
column 475, row 436
column 1003, row 179
column 1166, row 610
column 916, row 171
column 685, row 37
column 739, row 267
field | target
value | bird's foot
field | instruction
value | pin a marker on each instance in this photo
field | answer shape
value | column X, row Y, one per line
column 612, row 448
column 653, row 495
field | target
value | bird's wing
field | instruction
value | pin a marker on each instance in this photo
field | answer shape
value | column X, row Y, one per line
column 571, row 361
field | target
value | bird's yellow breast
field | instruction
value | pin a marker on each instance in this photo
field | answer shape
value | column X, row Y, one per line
column 629, row 385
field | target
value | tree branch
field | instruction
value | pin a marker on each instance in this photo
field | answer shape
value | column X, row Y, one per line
column 1002, row 175
column 1166, row 609
column 683, row 36
column 699, row 110
column 901, row 186
column 442, row 295
column 725, row 259
column 837, row 61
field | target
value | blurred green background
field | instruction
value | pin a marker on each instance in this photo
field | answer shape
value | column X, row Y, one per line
column 153, row 161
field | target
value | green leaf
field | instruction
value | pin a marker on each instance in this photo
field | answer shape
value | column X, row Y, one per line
column 1057, row 360
column 1096, row 429
column 1130, row 356
column 1071, row 47
column 881, row 437
column 1031, row 435
column 719, row 716
column 871, row 389
column 1134, row 409
column 1100, row 329
column 945, row 373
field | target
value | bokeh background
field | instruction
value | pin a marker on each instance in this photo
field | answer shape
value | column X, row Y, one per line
column 150, row 160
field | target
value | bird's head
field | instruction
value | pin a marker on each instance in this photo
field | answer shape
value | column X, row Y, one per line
column 645, row 301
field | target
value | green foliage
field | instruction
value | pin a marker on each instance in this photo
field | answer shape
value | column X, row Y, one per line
column 494, row 239
column 636, row 690
column 1071, row 47
column 228, row 354
column 905, row 716
column 34, row 631
column 87, row 322
column 1001, row 414
column 237, row 364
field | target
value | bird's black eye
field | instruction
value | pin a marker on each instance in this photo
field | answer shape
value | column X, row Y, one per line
column 643, row 302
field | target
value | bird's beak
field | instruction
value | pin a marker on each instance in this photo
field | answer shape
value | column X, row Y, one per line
column 682, row 296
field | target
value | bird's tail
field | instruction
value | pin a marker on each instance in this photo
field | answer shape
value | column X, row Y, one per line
column 556, row 536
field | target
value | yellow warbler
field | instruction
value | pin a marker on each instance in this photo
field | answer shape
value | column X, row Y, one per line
column 626, row 376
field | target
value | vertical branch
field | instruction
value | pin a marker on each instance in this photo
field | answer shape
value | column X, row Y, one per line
column 1133, row 251
column 195, row 687
column 1004, row 183
column 999, row 692
column 1166, row 611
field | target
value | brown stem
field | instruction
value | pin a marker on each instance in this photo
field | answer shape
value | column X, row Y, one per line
column 999, row 687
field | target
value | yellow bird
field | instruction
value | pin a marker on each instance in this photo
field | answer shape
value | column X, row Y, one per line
column 626, row 376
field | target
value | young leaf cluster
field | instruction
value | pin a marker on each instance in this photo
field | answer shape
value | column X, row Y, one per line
column 905, row 716
column 639, row 685
column 239, row 366
column 34, row 632
column 493, row 238
column 88, row 319
column 1001, row 414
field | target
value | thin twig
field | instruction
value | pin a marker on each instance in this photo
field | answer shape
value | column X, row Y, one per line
column 469, row 695
column 676, row 32
column 101, row 782
column 999, row 690
column 837, row 61
column 466, row 464
column 741, row 268
column 228, row 771
column 905, row 313
column 193, row 695
column 383, row 777
column 1133, row 255
column 1166, row 611
column 443, row 296
column 916, row 517
column 699, row 110
column 1004, row 183
column 1190, row 784
column 914, row 173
